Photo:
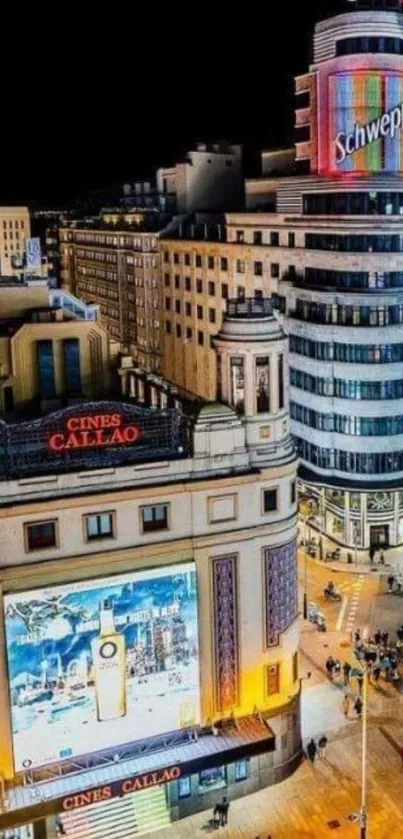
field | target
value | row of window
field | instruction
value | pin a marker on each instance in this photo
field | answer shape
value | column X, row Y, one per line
column 352, row 462
column 46, row 369
column 353, row 279
column 346, row 388
column 314, row 312
column 353, row 203
column 156, row 517
column 188, row 310
column 355, row 46
column 355, row 243
column 222, row 261
column 349, row 353
column 356, row 426
column 17, row 224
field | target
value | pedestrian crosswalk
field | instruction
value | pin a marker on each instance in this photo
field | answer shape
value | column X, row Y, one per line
column 354, row 599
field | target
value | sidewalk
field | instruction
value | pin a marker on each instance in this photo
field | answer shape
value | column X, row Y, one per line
column 318, row 799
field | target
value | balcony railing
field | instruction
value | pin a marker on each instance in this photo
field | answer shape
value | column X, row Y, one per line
column 249, row 307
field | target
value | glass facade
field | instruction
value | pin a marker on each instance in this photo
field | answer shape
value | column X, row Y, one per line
column 71, row 361
column 347, row 315
column 358, row 243
column 353, row 280
column 374, row 463
column 353, row 203
column 356, row 426
column 355, row 46
column 348, row 353
column 346, row 388
column 46, row 370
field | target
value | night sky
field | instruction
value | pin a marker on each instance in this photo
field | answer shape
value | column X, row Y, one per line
column 110, row 98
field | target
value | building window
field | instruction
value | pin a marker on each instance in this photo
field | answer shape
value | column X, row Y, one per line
column 212, row 779
column 200, row 313
column 240, row 292
column 269, row 500
column 200, row 339
column 167, row 304
column 240, row 266
column 199, row 286
column 168, row 327
column 274, row 239
column 184, row 787
column 198, row 261
column 188, row 309
column 41, row 535
column 272, row 679
column 237, row 374
column 178, row 330
column 210, row 263
column 262, row 384
column 99, row 526
column 187, row 258
column 257, row 237
column 293, row 492
column 154, row 518
column 46, row 372
column 258, row 269
column 211, row 289
column 166, row 256
column 240, row 236
column 274, row 270
column 178, row 307
column 280, row 382
column 188, row 284
column 8, row 398
column 295, row 667
column 177, row 281
column 71, row 363
column 291, row 240
column 224, row 291
column 167, row 280
column 176, row 259
column 188, row 333
column 241, row 770
column 224, row 263
column 211, row 315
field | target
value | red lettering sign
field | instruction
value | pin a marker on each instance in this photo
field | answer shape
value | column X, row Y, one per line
column 119, row 788
column 95, row 431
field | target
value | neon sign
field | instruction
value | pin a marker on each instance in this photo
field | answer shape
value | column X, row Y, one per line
column 84, row 432
column 386, row 125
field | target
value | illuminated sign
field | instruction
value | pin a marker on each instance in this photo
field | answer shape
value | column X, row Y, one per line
column 100, row 663
column 386, row 125
column 119, row 788
column 365, row 122
column 84, row 432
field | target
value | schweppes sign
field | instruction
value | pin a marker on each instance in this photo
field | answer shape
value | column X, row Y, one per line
column 85, row 432
column 388, row 124
column 120, row 788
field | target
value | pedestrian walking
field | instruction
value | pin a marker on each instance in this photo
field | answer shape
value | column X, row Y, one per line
column 358, row 706
column 322, row 743
column 385, row 638
column 217, row 815
column 345, row 706
column 371, row 554
column 330, row 662
column 224, row 808
column 391, row 581
column 360, row 682
column 382, row 558
column 357, row 636
column 346, row 672
column 376, row 674
column 337, row 667
column 378, row 637
column 311, row 750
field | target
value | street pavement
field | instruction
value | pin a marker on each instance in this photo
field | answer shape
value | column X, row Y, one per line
column 318, row 799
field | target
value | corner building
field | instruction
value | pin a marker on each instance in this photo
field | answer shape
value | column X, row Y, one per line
column 148, row 610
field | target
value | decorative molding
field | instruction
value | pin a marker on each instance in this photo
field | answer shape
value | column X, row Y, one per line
column 281, row 590
column 226, row 632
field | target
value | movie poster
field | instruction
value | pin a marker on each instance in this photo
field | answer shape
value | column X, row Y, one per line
column 96, row 664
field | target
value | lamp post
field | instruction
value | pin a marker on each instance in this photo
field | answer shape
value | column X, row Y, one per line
column 305, row 510
column 363, row 810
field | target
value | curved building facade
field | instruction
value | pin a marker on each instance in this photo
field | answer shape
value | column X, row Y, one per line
column 344, row 294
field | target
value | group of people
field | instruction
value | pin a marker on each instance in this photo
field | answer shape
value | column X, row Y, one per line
column 373, row 558
column 318, row 749
column 380, row 655
column 220, row 813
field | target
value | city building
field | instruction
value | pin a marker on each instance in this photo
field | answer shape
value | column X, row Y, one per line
column 14, row 231
column 148, row 581
column 113, row 261
column 46, row 225
column 53, row 351
column 209, row 178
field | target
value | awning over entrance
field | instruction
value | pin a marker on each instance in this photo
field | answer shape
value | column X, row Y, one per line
column 246, row 737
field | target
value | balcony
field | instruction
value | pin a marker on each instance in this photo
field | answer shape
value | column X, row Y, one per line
column 249, row 307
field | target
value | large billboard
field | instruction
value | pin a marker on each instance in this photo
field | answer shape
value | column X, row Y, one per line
column 366, row 122
column 96, row 664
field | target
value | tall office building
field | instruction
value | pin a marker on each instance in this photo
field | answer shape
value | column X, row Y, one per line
column 14, row 230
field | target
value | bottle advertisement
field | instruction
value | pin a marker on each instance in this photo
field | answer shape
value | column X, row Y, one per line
column 100, row 663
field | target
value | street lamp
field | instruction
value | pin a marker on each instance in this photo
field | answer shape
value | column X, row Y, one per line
column 361, row 817
column 305, row 508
